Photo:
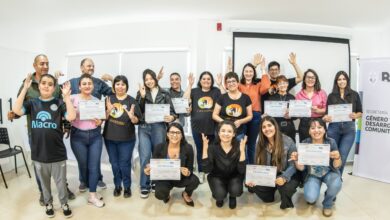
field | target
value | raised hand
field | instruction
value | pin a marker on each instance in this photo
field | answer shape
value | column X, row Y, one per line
column 205, row 139
column 243, row 143
column 229, row 67
column 58, row 74
column 142, row 90
column 219, row 79
column 257, row 59
column 107, row 77
column 27, row 81
column 66, row 89
column 160, row 74
column 109, row 105
column 292, row 58
column 191, row 79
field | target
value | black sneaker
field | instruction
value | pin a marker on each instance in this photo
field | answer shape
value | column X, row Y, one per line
column 219, row 203
column 117, row 191
column 49, row 210
column 144, row 193
column 127, row 192
column 71, row 195
column 41, row 201
column 232, row 202
column 66, row 210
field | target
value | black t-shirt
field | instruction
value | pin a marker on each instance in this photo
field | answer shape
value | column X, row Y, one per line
column 118, row 126
column 47, row 145
column 202, row 109
column 233, row 110
column 291, row 84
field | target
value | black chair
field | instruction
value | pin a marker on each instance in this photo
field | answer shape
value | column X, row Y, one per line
column 4, row 139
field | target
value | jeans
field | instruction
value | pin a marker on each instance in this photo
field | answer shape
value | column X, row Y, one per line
column 344, row 135
column 120, row 153
column 242, row 133
column 87, row 147
column 199, row 146
column 312, row 188
column 149, row 136
column 252, row 131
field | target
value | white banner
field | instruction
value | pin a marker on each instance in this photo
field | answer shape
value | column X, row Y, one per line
column 373, row 153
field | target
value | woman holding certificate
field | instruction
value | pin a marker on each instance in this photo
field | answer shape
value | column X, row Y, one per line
column 348, row 101
column 86, row 141
column 225, row 162
column 311, row 90
column 123, row 113
column 234, row 106
column 176, row 147
column 274, row 149
column 254, row 90
column 318, row 174
column 286, row 123
column 157, row 109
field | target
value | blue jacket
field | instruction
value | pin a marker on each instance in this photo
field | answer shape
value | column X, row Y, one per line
column 100, row 88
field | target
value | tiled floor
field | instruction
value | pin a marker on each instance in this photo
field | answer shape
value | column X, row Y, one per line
column 359, row 199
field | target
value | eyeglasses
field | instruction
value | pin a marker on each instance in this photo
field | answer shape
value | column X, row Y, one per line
column 310, row 77
column 282, row 83
column 177, row 133
column 231, row 81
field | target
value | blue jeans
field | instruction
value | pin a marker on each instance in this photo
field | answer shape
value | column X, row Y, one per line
column 252, row 131
column 199, row 146
column 87, row 147
column 242, row 134
column 344, row 135
column 120, row 153
column 313, row 184
column 149, row 136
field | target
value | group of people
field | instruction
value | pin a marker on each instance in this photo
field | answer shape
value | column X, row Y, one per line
column 228, row 127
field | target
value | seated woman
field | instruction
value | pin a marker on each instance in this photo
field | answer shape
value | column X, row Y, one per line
column 315, row 175
column 176, row 147
column 225, row 162
column 274, row 149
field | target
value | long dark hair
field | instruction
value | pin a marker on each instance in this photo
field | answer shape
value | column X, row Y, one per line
column 261, row 148
column 317, row 84
column 183, row 140
column 322, row 124
column 242, row 80
column 206, row 73
column 152, row 74
column 227, row 122
column 336, row 88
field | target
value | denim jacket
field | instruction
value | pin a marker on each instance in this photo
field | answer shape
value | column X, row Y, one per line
column 100, row 88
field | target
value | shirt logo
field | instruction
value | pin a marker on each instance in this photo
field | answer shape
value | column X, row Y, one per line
column 205, row 102
column 42, row 121
column 234, row 110
column 54, row 107
column 118, row 110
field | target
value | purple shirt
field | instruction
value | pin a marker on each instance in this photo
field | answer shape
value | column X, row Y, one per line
column 81, row 124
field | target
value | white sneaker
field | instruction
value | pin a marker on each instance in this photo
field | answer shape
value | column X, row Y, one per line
column 96, row 202
column 201, row 177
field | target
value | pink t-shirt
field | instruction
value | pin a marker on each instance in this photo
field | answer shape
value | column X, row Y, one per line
column 318, row 99
column 81, row 124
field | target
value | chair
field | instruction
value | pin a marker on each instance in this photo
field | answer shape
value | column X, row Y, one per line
column 4, row 139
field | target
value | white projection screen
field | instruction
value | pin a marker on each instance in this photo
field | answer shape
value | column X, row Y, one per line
column 323, row 54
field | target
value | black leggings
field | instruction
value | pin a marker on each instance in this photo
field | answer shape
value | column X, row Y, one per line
column 163, row 187
column 303, row 129
column 220, row 187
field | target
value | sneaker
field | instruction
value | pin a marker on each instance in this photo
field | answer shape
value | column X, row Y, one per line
column 167, row 199
column 102, row 184
column 41, row 201
column 96, row 202
column 83, row 187
column 127, row 192
column 49, row 210
column 201, row 177
column 66, row 210
column 144, row 193
column 327, row 212
column 71, row 195
column 219, row 203
column 153, row 188
column 232, row 202
column 117, row 191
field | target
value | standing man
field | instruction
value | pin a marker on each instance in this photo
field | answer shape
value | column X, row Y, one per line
column 41, row 66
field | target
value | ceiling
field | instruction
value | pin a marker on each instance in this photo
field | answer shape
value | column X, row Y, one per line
column 51, row 15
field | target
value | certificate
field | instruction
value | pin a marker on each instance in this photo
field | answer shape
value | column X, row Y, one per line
column 275, row 108
column 313, row 154
column 299, row 108
column 156, row 112
column 261, row 175
column 340, row 113
column 180, row 105
column 165, row 169
column 91, row 109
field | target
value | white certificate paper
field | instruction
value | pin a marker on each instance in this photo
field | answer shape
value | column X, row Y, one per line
column 91, row 109
column 180, row 105
column 340, row 112
column 313, row 154
column 261, row 175
column 165, row 169
column 299, row 108
column 275, row 108
column 156, row 112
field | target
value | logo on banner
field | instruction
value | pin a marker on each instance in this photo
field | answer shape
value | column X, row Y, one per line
column 385, row 77
column 373, row 78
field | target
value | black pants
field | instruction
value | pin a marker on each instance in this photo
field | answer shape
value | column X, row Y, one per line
column 267, row 194
column 220, row 187
column 288, row 128
column 303, row 129
column 163, row 187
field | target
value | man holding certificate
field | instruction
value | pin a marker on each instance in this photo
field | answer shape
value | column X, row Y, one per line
column 172, row 166
column 316, row 174
column 274, row 171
